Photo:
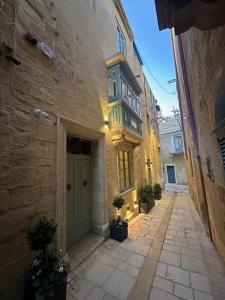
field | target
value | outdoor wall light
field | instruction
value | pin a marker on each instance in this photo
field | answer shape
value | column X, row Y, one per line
column 106, row 123
column 40, row 113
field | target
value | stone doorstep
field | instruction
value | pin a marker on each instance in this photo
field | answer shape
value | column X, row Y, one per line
column 84, row 249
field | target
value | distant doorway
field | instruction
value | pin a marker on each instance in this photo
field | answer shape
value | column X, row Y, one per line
column 79, row 209
column 171, row 175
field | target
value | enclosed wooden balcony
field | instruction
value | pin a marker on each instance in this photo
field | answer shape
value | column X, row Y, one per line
column 124, row 100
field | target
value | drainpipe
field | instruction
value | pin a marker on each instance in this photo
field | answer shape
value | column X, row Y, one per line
column 192, row 120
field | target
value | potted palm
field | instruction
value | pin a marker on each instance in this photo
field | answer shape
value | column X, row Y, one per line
column 146, row 198
column 118, row 226
column 47, row 276
column 157, row 191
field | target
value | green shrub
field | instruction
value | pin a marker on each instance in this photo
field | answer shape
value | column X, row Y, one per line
column 157, row 191
column 146, row 194
column 40, row 235
column 47, row 268
column 118, row 202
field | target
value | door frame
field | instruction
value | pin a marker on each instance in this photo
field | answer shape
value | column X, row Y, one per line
column 167, row 178
column 100, row 219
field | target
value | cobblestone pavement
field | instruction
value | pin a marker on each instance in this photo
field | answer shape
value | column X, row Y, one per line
column 167, row 256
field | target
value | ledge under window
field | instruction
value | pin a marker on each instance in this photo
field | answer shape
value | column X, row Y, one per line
column 127, row 191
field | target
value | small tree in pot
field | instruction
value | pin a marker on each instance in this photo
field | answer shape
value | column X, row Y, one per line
column 157, row 191
column 47, row 278
column 118, row 226
column 146, row 198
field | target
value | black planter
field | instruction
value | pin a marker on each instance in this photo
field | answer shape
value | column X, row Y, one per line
column 158, row 196
column 144, row 207
column 59, row 292
column 119, row 233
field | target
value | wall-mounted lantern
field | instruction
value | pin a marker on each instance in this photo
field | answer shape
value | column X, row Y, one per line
column 148, row 163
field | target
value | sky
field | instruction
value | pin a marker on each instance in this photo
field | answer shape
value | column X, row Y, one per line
column 156, row 50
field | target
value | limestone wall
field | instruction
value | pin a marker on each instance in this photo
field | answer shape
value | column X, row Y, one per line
column 205, row 65
column 72, row 84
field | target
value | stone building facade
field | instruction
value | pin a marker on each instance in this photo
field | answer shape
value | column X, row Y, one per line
column 77, row 117
column 172, row 153
column 200, row 66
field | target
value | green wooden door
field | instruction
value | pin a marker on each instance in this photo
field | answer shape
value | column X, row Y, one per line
column 78, row 198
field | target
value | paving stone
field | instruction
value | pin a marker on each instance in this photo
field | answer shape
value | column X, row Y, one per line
column 109, row 260
column 99, row 273
column 136, row 260
column 163, row 284
column 193, row 264
column 119, row 284
column 157, row 294
column 178, row 275
column 128, row 269
column 200, row 282
column 171, row 248
column 191, row 252
column 161, row 269
column 108, row 297
column 170, row 258
column 183, row 292
column 136, row 247
column 96, row 294
column 120, row 254
column 82, row 289
column 202, row 296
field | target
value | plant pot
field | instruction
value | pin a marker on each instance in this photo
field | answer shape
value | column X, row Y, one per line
column 158, row 196
column 58, row 293
column 144, row 207
column 119, row 233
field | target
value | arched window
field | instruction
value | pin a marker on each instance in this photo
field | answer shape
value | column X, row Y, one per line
column 220, row 119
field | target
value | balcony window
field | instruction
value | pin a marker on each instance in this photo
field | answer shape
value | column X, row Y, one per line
column 178, row 141
column 120, row 40
column 124, row 170
column 114, row 89
column 124, row 90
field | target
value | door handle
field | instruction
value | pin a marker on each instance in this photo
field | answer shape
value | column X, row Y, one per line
column 69, row 187
column 85, row 183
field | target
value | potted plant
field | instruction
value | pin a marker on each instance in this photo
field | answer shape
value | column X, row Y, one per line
column 146, row 198
column 47, row 276
column 118, row 226
column 157, row 191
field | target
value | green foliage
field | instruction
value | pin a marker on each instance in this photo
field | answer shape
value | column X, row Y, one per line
column 118, row 222
column 146, row 194
column 40, row 235
column 157, row 191
column 118, row 202
column 47, row 268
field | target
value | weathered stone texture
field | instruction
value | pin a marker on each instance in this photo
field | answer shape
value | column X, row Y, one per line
column 74, row 85
column 205, row 65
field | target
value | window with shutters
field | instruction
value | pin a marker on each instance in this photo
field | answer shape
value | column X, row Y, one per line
column 120, row 40
column 125, row 169
column 178, row 141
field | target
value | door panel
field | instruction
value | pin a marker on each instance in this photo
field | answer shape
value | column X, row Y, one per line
column 171, row 174
column 78, row 198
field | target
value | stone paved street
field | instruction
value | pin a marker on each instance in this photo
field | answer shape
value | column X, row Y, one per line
column 167, row 256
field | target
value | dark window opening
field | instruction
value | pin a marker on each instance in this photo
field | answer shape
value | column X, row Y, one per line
column 78, row 146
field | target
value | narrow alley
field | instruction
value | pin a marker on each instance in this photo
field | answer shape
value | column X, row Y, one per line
column 112, row 150
column 167, row 256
